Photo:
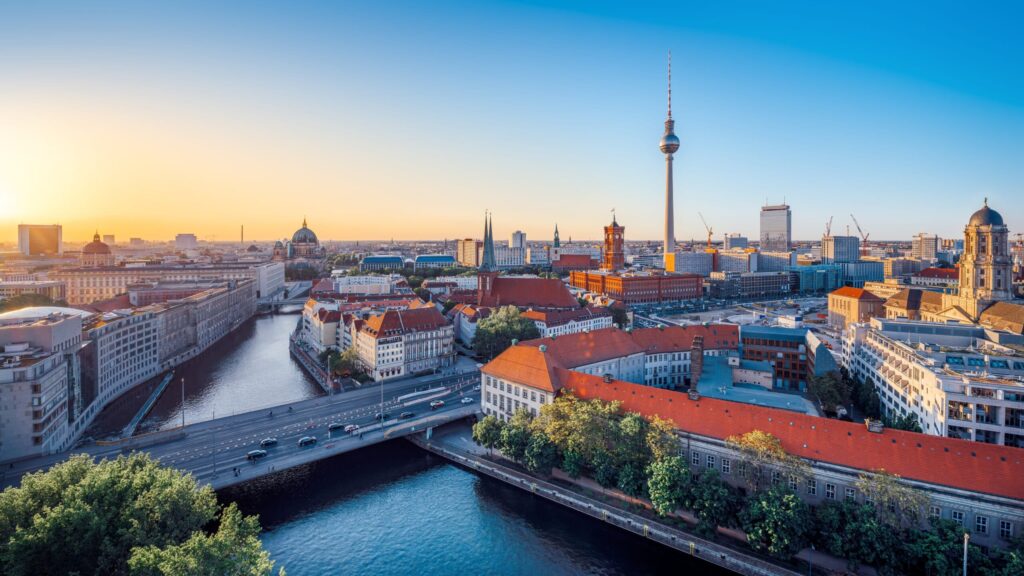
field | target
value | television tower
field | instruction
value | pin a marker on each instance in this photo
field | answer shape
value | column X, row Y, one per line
column 669, row 145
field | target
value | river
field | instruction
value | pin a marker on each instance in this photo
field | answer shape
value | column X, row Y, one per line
column 390, row 509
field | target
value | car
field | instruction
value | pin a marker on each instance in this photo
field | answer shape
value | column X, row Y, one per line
column 477, row 387
column 267, row 442
column 406, row 415
column 351, row 428
column 335, row 426
column 379, row 416
column 468, row 400
column 307, row 441
column 255, row 455
column 436, row 404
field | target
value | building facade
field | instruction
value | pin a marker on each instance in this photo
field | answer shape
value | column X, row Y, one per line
column 640, row 287
column 848, row 305
column 776, row 228
column 40, row 239
column 614, row 257
column 838, row 249
column 402, row 342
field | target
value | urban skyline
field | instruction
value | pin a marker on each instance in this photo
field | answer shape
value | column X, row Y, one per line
column 833, row 123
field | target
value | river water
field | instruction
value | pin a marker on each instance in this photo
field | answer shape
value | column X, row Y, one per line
column 391, row 509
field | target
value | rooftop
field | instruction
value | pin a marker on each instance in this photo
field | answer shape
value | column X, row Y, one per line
column 961, row 464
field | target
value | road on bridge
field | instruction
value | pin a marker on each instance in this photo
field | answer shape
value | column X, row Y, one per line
column 212, row 450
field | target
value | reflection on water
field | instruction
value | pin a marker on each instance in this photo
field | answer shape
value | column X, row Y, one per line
column 394, row 509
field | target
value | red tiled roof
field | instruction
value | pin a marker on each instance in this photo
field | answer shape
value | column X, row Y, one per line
column 397, row 322
column 944, row 273
column 559, row 317
column 529, row 292
column 962, row 464
column 324, row 285
column 574, row 350
column 856, row 293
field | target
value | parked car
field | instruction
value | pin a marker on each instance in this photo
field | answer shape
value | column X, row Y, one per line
column 255, row 454
column 436, row 404
column 351, row 428
column 268, row 442
column 406, row 415
column 307, row 441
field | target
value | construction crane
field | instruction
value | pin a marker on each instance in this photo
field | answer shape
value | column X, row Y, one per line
column 707, row 227
column 828, row 227
column 863, row 236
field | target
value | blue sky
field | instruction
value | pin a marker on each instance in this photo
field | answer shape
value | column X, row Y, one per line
column 409, row 119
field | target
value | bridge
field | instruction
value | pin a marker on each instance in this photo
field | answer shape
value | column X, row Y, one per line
column 214, row 451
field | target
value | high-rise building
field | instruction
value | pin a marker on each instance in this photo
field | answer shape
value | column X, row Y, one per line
column 466, row 252
column 776, row 228
column 186, row 242
column 517, row 240
column 40, row 239
column 669, row 145
column 839, row 249
column 925, row 247
column 734, row 241
column 614, row 255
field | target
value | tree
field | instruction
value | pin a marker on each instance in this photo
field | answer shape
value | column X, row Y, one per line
column 830, row 389
column 668, row 481
column 423, row 294
column 86, row 518
column 496, row 332
column 631, row 479
column 606, row 473
column 939, row 551
column 866, row 398
column 894, row 502
column 515, row 436
column 762, row 457
column 712, row 502
column 775, row 521
column 582, row 301
column 620, row 317
column 541, row 454
column 661, row 438
column 906, row 422
column 487, row 432
column 234, row 550
column 853, row 531
column 572, row 463
column 27, row 300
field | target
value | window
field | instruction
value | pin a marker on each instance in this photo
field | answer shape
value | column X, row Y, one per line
column 830, row 491
column 935, row 512
column 957, row 517
column 792, row 483
column 851, row 494
column 776, row 477
column 711, row 461
column 695, row 458
column 1005, row 529
column 812, row 487
column 726, row 466
column 981, row 524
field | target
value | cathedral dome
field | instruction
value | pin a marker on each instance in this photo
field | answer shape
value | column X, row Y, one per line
column 304, row 235
column 96, row 247
column 986, row 217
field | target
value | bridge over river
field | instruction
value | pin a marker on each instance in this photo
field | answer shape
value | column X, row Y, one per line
column 214, row 451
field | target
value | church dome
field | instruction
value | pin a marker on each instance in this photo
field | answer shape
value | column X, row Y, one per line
column 304, row 235
column 986, row 217
column 96, row 247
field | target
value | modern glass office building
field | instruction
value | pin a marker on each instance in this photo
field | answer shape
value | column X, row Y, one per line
column 776, row 228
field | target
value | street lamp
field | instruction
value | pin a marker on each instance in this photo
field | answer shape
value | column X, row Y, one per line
column 967, row 536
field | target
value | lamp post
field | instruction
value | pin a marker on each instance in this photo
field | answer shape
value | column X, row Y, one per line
column 967, row 536
column 182, row 401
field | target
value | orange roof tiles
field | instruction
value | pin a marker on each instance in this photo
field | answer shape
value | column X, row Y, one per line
column 529, row 292
column 944, row 273
column 962, row 464
column 396, row 322
column 856, row 293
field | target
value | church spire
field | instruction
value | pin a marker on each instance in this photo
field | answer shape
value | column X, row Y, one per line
column 557, row 242
column 488, row 264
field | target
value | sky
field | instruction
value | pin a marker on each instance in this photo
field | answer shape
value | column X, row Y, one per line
column 407, row 120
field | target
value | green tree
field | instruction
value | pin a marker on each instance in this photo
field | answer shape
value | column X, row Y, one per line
column 572, row 463
column 234, row 550
column 761, row 456
column 894, row 502
column 496, row 332
column 939, row 551
column 668, row 482
column 487, row 432
column 80, row 517
column 541, row 454
column 515, row 436
column 631, row 479
column 866, row 398
column 831, row 390
column 661, row 438
column 606, row 473
column 712, row 502
column 775, row 521
column 854, row 532
column 906, row 422
column 620, row 317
